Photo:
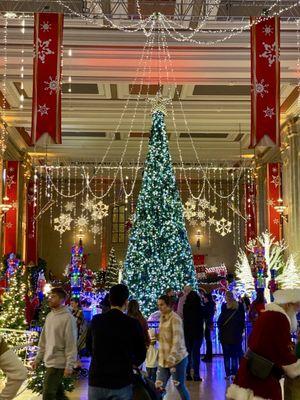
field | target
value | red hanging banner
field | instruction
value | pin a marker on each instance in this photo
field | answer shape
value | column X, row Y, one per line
column 250, row 208
column 11, row 216
column 46, row 97
column 31, row 228
column 265, row 83
column 273, row 194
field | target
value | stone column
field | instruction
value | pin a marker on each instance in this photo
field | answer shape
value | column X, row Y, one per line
column 291, row 185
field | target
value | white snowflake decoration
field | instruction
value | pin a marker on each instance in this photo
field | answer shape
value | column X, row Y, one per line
column 189, row 213
column 9, row 225
column 213, row 209
column 14, row 205
column 69, row 206
column 223, row 227
column 43, row 50
column 88, row 205
column 269, row 53
column 268, row 30
column 193, row 222
column 100, row 210
column 269, row 112
column 51, row 85
column 190, row 204
column 201, row 214
column 275, row 180
column 203, row 203
column 10, row 181
column 82, row 221
column 261, row 88
column 212, row 221
column 43, row 109
column 63, row 223
column 276, row 221
column 270, row 203
column 95, row 229
column 203, row 224
column 46, row 26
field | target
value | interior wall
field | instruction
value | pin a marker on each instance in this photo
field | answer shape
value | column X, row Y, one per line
column 57, row 252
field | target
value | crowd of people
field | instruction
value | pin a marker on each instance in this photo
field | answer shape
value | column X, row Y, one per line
column 121, row 342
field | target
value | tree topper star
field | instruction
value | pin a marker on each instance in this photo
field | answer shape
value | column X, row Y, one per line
column 159, row 103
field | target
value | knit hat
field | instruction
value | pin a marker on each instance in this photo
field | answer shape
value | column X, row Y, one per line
column 284, row 296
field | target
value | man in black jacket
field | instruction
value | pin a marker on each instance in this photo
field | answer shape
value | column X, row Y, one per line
column 116, row 343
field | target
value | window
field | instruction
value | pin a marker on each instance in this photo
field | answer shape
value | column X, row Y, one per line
column 118, row 225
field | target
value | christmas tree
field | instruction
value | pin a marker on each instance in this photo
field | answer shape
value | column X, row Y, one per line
column 112, row 273
column 12, row 315
column 290, row 277
column 244, row 274
column 159, row 255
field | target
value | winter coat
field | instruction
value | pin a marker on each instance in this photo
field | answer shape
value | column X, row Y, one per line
column 193, row 320
column 271, row 339
column 231, row 332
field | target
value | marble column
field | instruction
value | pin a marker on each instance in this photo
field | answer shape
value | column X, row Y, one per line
column 291, row 184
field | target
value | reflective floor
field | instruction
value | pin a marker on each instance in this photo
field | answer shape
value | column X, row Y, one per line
column 213, row 386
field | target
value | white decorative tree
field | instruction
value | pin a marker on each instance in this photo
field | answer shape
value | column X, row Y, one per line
column 290, row 277
column 244, row 274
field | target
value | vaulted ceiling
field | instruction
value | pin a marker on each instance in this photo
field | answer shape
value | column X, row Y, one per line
column 211, row 82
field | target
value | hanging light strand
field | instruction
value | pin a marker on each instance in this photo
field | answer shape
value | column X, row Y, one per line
column 4, row 134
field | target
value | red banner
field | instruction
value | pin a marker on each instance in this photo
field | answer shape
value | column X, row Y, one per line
column 46, row 97
column 199, row 259
column 273, row 194
column 250, row 208
column 11, row 216
column 265, row 82
column 31, row 228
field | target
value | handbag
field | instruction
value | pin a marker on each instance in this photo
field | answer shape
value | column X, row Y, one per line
column 143, row 387
column 259, row 366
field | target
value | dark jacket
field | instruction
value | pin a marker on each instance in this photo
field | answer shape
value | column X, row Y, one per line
column 193, row 317
column 116, row 343
column 231, row 332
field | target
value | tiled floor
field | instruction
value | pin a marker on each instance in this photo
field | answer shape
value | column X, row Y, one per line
column 213, row 386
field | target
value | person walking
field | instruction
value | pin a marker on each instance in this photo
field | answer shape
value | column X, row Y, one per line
column 135, row 312
column 14, row 370
column 172, row 353
column 117, row 345
column 231, row 324
column 57, row 346
column 186, row 290
column 270, row 355
column 193, row 333
column 209, row 312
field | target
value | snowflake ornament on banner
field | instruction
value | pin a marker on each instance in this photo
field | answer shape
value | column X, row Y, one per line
column 269, row 53
column 63, row 223
column 270, row 202
column 82, row 221
column 269, row 112
column 69, row 206
column 261, row 88
column 46, row 26
column 276, row 221
column 275, row 180
column 10, row 181
column 223, row 227
column 268, row 30
column 43, row 50
column 51, row 85
column 43, row 109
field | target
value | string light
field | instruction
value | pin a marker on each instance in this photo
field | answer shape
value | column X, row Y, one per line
column 21, row 98
column 4, row 134
column 298, row 60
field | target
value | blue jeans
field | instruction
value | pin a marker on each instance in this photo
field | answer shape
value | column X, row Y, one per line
column 232, row 355
column 193, row 347
column 98, row 393
column 178, row 375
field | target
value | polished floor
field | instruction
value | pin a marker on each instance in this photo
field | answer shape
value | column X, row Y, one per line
column 213, row 386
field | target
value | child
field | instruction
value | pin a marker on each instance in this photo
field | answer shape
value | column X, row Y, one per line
column 152, row 356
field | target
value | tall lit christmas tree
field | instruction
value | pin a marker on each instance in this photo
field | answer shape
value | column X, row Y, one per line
column 112, row 273
column 12, row 315
column 159, row 255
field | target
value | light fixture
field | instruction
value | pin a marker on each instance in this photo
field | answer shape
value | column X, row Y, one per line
column 80, row 234
column 4, row 207
column 10, row 15
column 281, row 209
column 199, row 236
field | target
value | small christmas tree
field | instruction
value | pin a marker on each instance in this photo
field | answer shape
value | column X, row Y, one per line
column 290, row 277
column 159, row 254
column 112, row 273
column 12, row 315
column 244, row 274
column 99, row 281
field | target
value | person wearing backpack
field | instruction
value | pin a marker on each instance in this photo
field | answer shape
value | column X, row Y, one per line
column 231, row 324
